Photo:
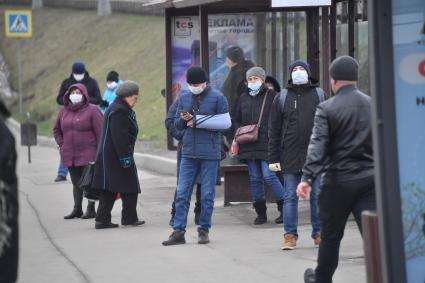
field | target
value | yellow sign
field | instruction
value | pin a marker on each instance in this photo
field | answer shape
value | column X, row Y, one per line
column 18, row 23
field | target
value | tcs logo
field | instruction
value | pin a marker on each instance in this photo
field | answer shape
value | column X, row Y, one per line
column 183, row 26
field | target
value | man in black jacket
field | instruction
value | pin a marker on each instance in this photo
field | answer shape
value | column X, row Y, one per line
column 341, row 149
column 79, row 75
column 8, row 203
column 235, row 83
column 291, row 122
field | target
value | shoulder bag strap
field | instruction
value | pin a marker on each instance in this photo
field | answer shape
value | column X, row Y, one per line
column 262, row 108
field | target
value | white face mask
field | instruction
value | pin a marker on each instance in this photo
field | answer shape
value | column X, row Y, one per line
column 76, row 98
column 78, row 77
column 299, row 77
column 111, row 85
column 197, row 89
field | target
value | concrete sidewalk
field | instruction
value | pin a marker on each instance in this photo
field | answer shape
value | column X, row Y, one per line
column 58, row 250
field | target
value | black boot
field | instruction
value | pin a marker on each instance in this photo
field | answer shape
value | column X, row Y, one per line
column 90, row 211
column 176, row 238
column 101, row 225
column 261, row 209
column 77, row 212
column 309, row 276
column 279, row 204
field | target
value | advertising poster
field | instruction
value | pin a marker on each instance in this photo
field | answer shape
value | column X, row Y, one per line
column 409, row 78
column 223, row 31
column 229, row 30
column 185, row 46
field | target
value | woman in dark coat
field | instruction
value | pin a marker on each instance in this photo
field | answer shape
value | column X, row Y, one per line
column 115, row 170
column 255, row 154
column 77, row 132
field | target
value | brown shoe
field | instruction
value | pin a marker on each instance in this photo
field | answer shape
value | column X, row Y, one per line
column 289, row 242
column 317, row 240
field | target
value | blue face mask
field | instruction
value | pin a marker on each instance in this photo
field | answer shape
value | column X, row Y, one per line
column 255, row 86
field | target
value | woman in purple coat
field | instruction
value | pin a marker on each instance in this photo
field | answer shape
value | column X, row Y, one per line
column 77, row 132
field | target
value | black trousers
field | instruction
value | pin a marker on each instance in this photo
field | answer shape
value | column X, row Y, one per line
column 76, row 173
column 336, row 202
column 106, row 203
column 197, row 203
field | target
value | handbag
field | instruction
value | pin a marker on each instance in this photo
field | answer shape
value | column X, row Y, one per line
column 249, row 133
column 85, row 183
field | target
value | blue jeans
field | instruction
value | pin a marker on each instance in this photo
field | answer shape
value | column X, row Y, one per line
column 290, row 215
column 189, row 169
column 258, row 173
column 62, row 170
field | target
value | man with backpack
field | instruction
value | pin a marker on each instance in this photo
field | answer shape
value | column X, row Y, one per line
column 291, row 123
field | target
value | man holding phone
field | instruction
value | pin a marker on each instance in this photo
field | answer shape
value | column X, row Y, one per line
column 202, row 113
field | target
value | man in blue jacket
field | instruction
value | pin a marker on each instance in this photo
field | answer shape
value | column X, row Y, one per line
column 202, row 112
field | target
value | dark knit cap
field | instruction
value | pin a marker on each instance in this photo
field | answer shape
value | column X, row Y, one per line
column 235, row 53
column 127, row 88
column 301, row 63
column 196, row 75
column 78, row 68
column 344, row 68
column 112, row 76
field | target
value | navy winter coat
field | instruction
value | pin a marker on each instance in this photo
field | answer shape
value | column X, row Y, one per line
column 201, row 143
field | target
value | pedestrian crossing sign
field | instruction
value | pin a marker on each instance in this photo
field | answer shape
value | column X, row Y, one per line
column 18, row 23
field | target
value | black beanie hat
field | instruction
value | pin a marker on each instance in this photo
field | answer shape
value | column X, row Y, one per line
column 235, row 53
column 78, row 68
column 196, row 75
column 112, row 76
column 301, row 63
column 344, row 68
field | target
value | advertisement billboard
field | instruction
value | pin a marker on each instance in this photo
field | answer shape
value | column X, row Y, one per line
column 409, row 84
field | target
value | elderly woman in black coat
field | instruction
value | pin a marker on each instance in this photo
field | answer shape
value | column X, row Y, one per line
column 115, row 170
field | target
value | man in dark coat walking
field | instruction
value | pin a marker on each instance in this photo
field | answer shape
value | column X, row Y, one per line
column 8, row 203
column 291, row 122
column 115, row 170
column 341, row 150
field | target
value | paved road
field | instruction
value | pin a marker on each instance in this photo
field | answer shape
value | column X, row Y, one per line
column 58, row 250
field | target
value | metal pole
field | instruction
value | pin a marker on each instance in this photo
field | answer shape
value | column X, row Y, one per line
column 29, row 154
column 19, row 59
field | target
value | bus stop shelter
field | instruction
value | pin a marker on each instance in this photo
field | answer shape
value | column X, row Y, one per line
column 198, row 32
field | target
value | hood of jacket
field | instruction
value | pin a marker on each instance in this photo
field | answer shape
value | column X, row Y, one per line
column 67, row 103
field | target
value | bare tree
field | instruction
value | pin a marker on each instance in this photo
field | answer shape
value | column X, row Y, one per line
column 104, row 8
column 37, row 4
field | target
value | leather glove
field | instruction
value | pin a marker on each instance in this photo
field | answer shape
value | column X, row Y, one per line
column 275, row 167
